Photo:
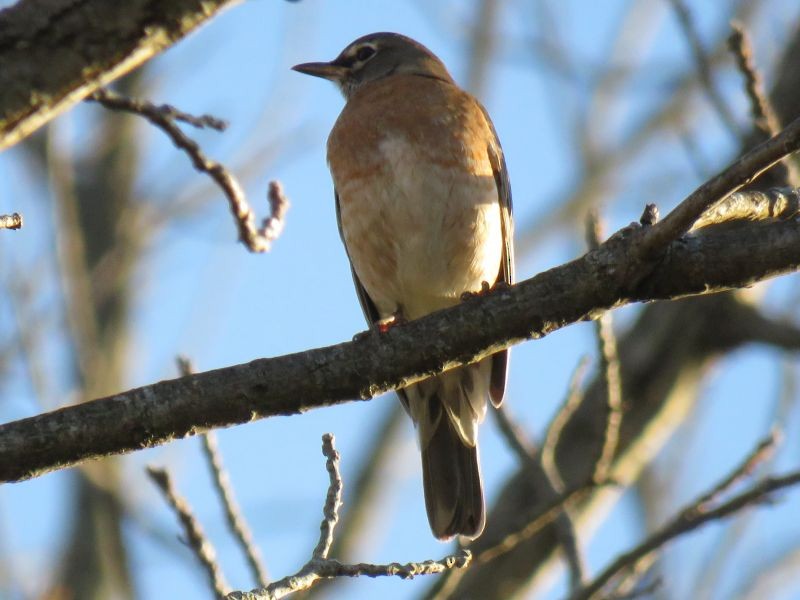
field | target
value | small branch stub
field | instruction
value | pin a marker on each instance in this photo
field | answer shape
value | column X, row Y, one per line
column 649, row 215
column 12, row 221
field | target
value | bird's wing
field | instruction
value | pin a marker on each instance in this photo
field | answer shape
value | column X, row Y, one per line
column 367, row 305
column 497, row 383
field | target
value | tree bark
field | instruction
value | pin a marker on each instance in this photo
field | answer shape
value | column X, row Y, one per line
column 53, row 53
column 719, row 259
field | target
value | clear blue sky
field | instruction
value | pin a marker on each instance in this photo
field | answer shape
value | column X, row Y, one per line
column 201, row 294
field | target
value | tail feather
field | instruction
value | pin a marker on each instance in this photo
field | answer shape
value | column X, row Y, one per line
column 452, row 481
column 447, row 410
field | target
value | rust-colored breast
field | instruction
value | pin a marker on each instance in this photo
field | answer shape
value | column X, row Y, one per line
column 443, row 121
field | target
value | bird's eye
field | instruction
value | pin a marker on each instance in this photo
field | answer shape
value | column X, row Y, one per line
column 364, row 53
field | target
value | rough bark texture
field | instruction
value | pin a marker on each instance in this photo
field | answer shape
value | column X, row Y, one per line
column 53, row 53
column 372, row 364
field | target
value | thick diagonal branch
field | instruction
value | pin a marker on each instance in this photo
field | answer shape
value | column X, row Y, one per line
column 719, row 259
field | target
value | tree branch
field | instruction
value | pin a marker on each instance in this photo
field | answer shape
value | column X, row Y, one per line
column 707, row 261
column 164, row 117
column 742, row 172
column 195, row 536
column 53, row 53
column 320, row 567
column 695, row 515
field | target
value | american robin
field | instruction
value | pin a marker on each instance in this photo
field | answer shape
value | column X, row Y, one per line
column 424, row 210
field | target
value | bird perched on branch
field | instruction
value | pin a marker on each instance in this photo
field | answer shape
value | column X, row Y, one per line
column 424, row 210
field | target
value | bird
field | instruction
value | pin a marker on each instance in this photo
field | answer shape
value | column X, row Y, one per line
column 423, row 206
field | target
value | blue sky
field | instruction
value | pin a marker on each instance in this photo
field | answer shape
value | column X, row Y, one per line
column 199, row 293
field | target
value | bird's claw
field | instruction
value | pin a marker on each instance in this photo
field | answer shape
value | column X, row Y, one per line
column 485, row 289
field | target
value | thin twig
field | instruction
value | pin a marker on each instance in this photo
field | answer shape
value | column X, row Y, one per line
column 609, row 363
column 730, row 541
column 758, row 458
column 691, row 517
column 322, row 567
column 550, row 488
column 233, row 513
column 12, row 221
column 327, row 569
column 195, row 536
column 571, row 403
column 116, row 101
column 765, row 118
column 363, row 505
column 514, row 436
column 256, row 240
column 743, row 171
column 762, row 452
column 629, row 584
column 704, row 67
column 333, row 500
column 541, row 519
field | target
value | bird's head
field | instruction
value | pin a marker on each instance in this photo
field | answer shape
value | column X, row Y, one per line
column 374, row 57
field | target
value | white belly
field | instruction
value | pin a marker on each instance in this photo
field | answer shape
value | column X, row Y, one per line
column 420, row 242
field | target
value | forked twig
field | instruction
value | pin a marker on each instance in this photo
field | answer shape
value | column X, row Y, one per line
column 322, row 567
column 164, row 117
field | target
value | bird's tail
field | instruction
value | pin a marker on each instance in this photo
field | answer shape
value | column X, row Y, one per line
column 447, row 410
column 452, row 480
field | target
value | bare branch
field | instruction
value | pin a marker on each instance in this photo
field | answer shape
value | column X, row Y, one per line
column 561, row 418
column 764, row 117
column 363, row 505
column 762, row 452
column 745, row 170
column 233, row 513
column 115, row 101
column 12, row 221
column 333, row 501
column 550, row 487
column 327, row 569
column 56, row 52
column 609, row 359
column 704, row 67
column 695, row 515
column 321, row 567
column 609, row 364
column 707, row 261
column 195, row 536
column 256, row 240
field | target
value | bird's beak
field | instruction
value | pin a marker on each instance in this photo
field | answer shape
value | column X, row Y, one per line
column 327, row 70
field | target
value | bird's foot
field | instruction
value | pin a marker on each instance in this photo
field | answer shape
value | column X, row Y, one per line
column 381, row 326
column 385, row 325
column 485, row 289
